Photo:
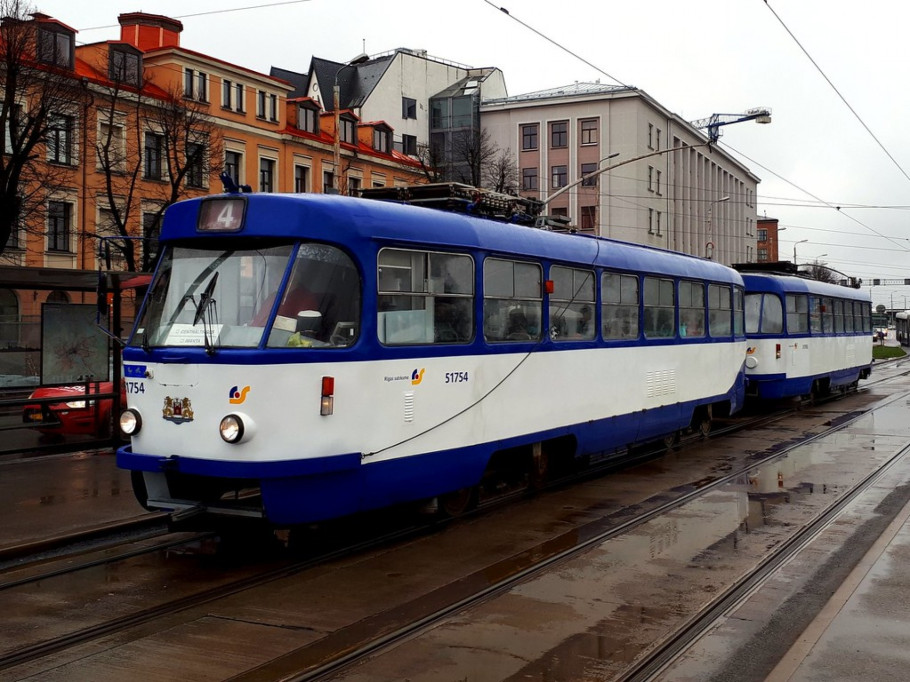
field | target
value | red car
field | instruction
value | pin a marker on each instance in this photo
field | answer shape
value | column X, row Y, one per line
column 73, row 415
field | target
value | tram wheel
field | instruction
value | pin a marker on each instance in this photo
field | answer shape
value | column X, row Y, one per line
column 457, row 502
column 670, row 441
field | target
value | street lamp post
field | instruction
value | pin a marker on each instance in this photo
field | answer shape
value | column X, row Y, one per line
column 801, row 241
column 709, row 252
column 336, row 97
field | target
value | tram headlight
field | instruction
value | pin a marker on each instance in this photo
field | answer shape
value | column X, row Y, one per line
column 236, row 428
column 130, row 422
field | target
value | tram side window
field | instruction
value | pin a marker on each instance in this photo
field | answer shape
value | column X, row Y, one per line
column 425, row 297
column 864, row 312
column 828, row 315
column 797, row 314
column 572, row 304
column 849, row 324
column 739, row 320
column 764, row 314
column 720, row 310
column 815, row 314
column 659, row 308
column 512, row 300
column 619, row 312
column 838, row 316
column 691, row 309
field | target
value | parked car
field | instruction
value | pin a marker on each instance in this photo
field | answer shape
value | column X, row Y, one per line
column 73, row 415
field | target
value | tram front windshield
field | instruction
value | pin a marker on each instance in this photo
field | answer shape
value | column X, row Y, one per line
column 302, row 296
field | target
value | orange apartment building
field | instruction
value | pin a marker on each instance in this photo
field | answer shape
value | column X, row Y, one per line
column 259, row 136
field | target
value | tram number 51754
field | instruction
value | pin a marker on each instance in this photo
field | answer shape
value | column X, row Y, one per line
column 456, row 377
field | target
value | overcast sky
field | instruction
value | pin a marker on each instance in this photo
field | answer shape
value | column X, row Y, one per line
column 694, row 57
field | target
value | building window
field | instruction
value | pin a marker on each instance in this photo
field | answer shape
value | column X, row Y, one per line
column 409, row 145
column 261, row 98
column 266, row 175
column 238, row 100
column 58, row 225
column 762, row 235
column 60, row 139
column 55, row 47
column 124, row 67
column 650, row 178
column 653, row 137
column 307, row 119
column 301, row 179
column 654, row 222
column 408, row 108
column 354, row 185
column 227, row 93
column 588, row 218
column 559, row 134
column 195, row 85
column 381, row 140
column 273, row 107
column 151, row 230
column 111, row 144
column 529, row 137
column 154, row 146
column 657, row 182
column 587, row 169
column 762, row 255
column 328, row 182
column 195, row 164
column 560, row 176
column 232, row 165
column 347, row 130
column 589, row 131
column 529, row 178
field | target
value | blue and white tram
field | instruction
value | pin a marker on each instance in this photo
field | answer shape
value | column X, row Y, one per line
column 806, row 337
column 902, row 327
column 303, row 357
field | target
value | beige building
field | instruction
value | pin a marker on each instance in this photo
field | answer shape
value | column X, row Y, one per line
column 667, row 189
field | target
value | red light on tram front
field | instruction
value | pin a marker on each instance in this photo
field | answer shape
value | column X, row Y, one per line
column 327, row 401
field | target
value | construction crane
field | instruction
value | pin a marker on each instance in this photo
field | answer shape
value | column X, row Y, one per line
column 715, row 121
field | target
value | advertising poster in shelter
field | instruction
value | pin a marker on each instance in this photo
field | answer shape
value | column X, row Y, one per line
column 73, row 348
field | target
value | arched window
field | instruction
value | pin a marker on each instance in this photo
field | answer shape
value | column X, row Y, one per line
column 58, row 297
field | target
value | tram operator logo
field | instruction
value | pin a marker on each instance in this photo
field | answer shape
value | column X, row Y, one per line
column 236, row 397
column 417, row 376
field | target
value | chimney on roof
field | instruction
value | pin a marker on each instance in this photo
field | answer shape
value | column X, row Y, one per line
column 149, row 31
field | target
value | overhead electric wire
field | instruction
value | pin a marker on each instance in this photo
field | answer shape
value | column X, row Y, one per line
column 559, row 45
column 834, row 87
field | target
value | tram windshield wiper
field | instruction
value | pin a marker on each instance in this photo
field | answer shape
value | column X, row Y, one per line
column 205, row 300
column 206, row 312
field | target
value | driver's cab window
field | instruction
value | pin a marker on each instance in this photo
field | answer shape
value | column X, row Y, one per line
column 320, row 305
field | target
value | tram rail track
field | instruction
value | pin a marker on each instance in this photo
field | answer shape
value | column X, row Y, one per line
column 335, row 651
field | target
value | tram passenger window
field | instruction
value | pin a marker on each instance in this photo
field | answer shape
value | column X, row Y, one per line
column 828, row 315
column 572, row 304
column 849, row 325
column 691, row 309
column 425, row 297
column 659, row 308
column 739, row 321
column 764, row 314
column 619, row 312
column 513, row 302
column 797, row 314
column 865, row 311
column 838, row 316
column 815, row 314
column 720, row 310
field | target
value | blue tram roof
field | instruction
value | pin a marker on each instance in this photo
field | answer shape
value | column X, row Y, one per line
column 789, row 284
column 348, row 220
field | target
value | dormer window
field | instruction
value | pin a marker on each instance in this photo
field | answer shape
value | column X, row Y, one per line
column 56, row 46
column 382, row 139
column 348, row 130
column 308, row 118
column 124, row 66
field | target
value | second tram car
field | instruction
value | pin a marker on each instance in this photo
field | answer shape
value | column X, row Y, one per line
column 806, row 337
column 902, row 327
column 303, row 357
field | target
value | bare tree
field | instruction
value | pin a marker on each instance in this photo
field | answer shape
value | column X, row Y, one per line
column 500, row 173
column 472, row 152
column 156, row 150
column 41, row 103
column 432, row 162
column 821, row 273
